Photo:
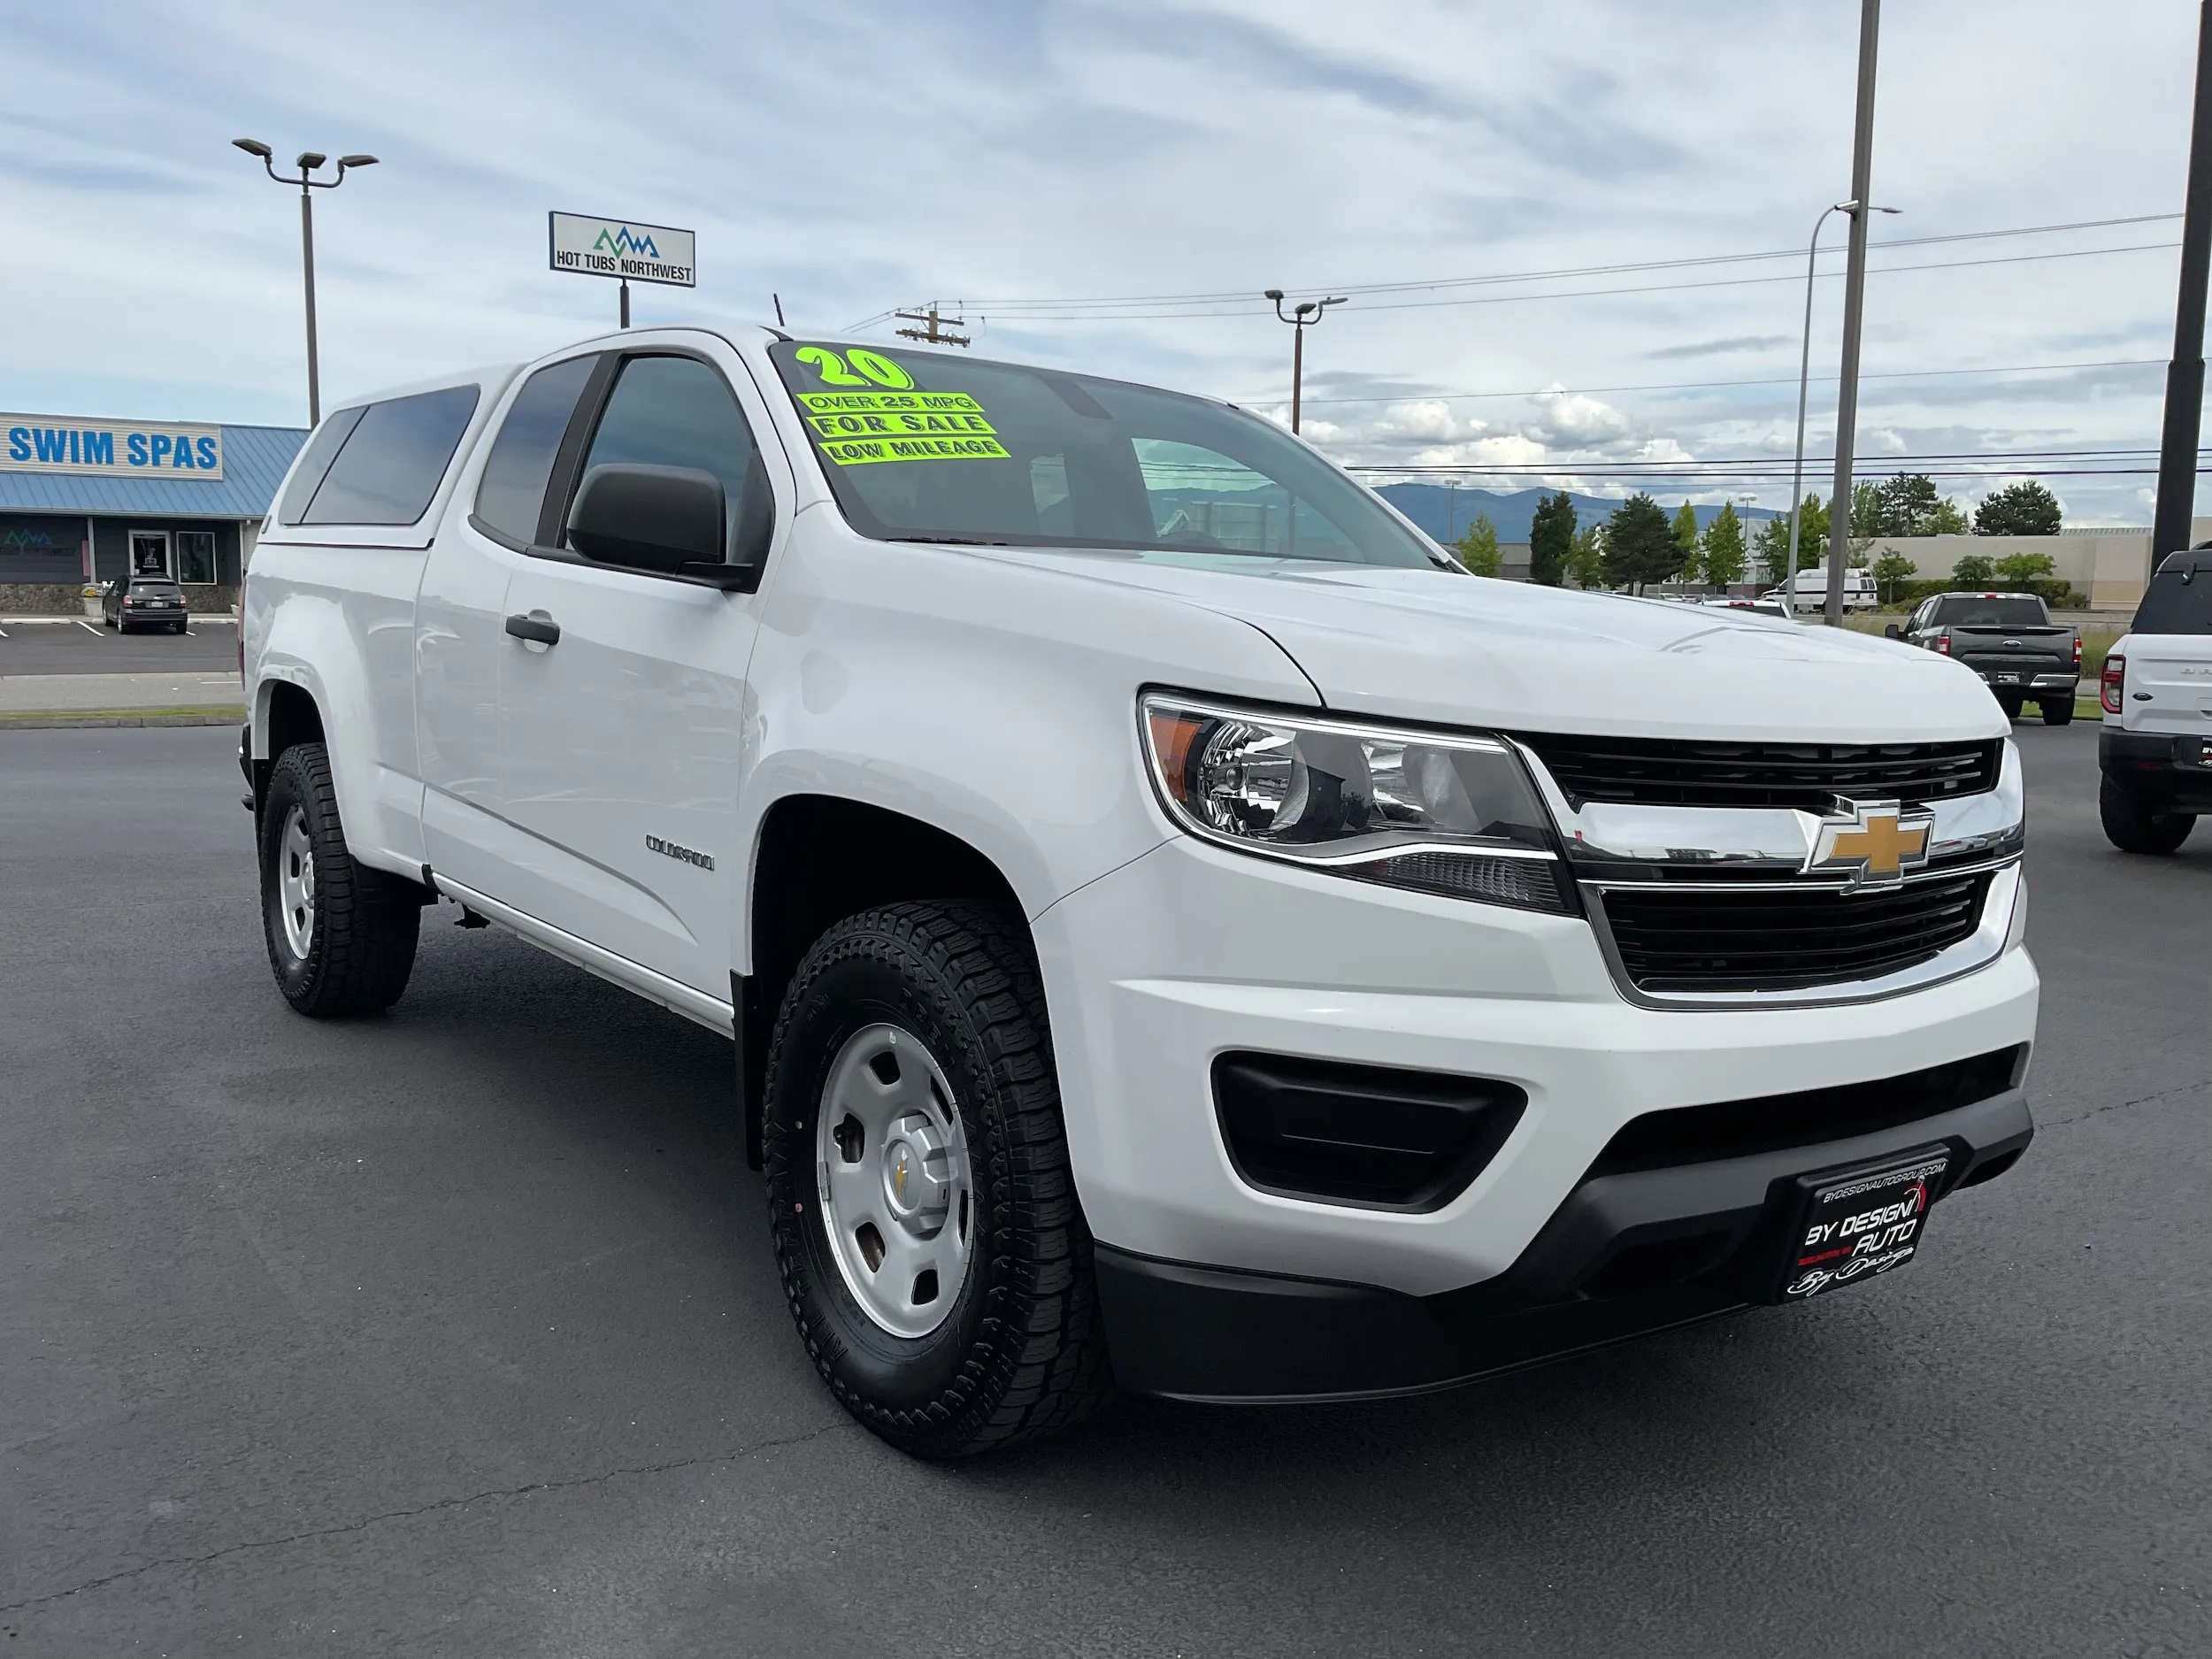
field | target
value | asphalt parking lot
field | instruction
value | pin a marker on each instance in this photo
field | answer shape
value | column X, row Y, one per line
column 455, row 1331
column 208, row 644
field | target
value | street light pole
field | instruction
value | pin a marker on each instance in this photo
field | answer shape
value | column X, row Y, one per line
column 1854, row 306
column 308, row 162
column 1302, row 317
column 2184, row 375
column 1804, row 380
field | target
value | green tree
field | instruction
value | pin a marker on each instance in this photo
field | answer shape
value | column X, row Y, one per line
column 2024, row 509
column 1585, row 557
column 1974, row 569
column 1812, row 540
column 1890, row 571
column 1866, row 521
column 1640, row 544
column 1902, row 505
column 1478, row 549
column 1685, row 538
column 2019, row 570
column 1948, row 518
column 1551, row 534
column 1721, row 549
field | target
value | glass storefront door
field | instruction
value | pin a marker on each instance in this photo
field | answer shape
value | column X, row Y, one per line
column 150, row 554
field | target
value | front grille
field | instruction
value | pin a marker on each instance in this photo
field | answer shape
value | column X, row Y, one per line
column 1656, row 772
column 1685, row 940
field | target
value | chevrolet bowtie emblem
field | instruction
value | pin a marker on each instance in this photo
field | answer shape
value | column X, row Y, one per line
column 1874, row 842
column 898, row 1175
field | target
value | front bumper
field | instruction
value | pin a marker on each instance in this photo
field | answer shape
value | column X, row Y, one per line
column 1191, row 952
column 2160, row 769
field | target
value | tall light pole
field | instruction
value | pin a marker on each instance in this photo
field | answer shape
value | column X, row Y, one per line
column 308, row 161
column 1302, row 317
column 1854, row 306
column 1804, row 379
column 2184, row 375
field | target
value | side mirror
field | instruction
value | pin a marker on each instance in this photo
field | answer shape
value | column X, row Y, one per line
column 665, row 518
column 1892, row 633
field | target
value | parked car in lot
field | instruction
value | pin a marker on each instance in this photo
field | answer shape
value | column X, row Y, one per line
column 1810, row 591
column 2154, row 749
column 144, row 602
column 2008, row 639
column 1177, row 928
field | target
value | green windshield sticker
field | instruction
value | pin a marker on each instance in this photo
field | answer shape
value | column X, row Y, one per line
column 858, row 428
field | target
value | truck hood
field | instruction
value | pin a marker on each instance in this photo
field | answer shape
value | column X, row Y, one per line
column 1461, row 650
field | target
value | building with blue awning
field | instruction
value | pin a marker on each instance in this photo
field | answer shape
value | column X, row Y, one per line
column 88, row 500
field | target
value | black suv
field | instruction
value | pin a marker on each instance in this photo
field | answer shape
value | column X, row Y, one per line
column 146, row 602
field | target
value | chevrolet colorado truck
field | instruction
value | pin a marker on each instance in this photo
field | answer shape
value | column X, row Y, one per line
column 2154, row 749
column 2008, row 639
column 1177, row 930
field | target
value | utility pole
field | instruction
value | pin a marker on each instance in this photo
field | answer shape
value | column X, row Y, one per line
column 1853, row 304
column 2184, row 375
column 1302, row 317
column 931, row 333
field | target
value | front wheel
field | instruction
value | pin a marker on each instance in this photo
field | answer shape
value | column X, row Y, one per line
column 2058, row 712
column 2135, row 829
column 921, row 1205
column 340, row 936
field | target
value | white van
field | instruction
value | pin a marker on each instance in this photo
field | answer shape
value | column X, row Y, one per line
column 1812, row 590
column 1177, row 929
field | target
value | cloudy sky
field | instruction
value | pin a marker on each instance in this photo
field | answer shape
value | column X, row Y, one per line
column 1010, row 158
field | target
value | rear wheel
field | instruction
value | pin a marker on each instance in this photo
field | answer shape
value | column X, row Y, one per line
column 340, row 936
column 2010, row 703
column 2058, row 712
column 2135, row 829
column 920, row 1202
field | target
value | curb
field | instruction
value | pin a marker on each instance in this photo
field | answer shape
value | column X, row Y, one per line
column 54, row 720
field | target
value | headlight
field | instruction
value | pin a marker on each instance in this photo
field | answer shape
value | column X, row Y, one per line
column 1452, row 814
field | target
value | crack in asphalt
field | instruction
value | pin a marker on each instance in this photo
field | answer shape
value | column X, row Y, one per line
column 2122, row 1105
column 738, row 1456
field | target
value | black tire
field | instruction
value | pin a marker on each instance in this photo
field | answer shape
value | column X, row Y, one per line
column 2058, row 712
column 179, row 628
column 2011, row 704
column 1023, row 1352
column 362, row 928
column 2135, row 829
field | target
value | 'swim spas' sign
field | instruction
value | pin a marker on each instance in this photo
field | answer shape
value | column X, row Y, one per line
column 622, row 247
column 110, row 448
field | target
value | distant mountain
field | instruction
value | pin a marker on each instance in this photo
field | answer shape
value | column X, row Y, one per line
column 1447, row 513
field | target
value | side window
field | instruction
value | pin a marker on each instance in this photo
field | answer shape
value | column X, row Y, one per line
column 676, row 411
column 322, row 450
column 512, row 492
column 390, row 466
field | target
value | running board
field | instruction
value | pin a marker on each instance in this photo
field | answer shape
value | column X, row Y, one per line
column 697, row 1006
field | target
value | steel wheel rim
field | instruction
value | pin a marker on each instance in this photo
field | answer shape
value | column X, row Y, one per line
column 893, row 1177
column 295, row 882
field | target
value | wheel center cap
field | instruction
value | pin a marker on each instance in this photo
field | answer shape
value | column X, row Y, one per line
column 916, row 1171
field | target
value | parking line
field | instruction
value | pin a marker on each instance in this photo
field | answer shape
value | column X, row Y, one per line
column 93, row 632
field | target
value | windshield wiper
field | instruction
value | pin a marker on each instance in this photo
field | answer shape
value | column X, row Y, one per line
column 953, row 541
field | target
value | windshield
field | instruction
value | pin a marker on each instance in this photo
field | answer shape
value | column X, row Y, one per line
column 1991, row 614
column 920, row 446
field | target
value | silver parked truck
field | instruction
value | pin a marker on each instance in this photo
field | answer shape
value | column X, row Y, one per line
column 1176, row 929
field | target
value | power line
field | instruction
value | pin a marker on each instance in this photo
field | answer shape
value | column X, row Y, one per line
column 1582, row 294
column 1564, row 273
column 1034, row 309
column 1700, row 385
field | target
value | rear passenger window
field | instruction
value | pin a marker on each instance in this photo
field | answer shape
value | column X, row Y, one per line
column 512, row 492
column 322, row 449
column 676, row 411
column 390, row 466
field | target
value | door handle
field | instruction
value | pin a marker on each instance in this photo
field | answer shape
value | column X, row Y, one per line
column 538, row 630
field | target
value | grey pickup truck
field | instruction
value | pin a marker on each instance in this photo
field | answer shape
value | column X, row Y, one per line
column 2008, row 639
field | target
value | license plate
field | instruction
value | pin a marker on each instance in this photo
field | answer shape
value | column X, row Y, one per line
column 2005, row 679
column 1858, row 1224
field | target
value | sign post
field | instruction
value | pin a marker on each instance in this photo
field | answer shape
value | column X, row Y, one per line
column 622, row 249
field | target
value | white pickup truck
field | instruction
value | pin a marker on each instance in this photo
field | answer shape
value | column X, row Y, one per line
column 1178, row 931
column 2154, row 749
